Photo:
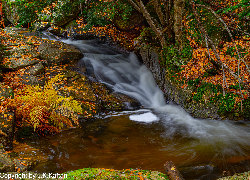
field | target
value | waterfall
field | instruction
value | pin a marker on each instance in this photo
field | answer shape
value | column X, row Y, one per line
column 126, row 74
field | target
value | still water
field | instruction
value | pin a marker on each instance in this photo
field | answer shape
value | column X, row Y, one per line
column 145, row 138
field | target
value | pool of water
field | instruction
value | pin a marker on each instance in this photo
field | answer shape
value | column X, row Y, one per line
column 118, row 140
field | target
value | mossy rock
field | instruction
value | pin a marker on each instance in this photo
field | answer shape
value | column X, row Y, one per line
column 136, row 19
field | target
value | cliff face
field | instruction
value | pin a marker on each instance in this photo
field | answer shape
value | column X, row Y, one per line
column 173, row 91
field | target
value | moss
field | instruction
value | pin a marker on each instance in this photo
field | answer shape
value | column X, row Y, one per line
column 98, row 173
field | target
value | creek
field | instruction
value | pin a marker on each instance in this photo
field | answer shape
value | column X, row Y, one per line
column 145, row 138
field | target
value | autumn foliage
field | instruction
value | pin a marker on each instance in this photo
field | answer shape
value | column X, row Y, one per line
column 43, row 108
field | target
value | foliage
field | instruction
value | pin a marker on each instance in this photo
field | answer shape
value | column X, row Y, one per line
column 96, row 12
column 101, row 12
column 43, row 108
column 28, row 10
column 242, row 6
column 173, row 58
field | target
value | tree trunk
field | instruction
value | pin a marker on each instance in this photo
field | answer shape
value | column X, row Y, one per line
column 178, row 10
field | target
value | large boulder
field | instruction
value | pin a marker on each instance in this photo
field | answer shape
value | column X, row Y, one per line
column 11, row 11
column 56, row 52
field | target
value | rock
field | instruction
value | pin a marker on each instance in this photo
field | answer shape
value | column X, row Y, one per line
column 40, row 26
column 21, row 57
column 35, row 69
column 11, row 11
column 17, row 63
column 7, row 124
column 55, row 30
column 22, row 165
column 59, row 52
column 112, row 101
column 128, row 103
column 74, row 32
column 28, row 79
column 198, row 171
column 61, row 18
column 6, row 164
column 134, row 21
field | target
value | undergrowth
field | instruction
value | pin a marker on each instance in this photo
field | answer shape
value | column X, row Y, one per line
column 43, row 108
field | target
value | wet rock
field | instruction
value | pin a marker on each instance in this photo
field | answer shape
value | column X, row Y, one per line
column 197, row 171
column 59, row 52
column 22, row 165
column 63, row 18
column 6, row 164
column 128, row 103
column 113, row 101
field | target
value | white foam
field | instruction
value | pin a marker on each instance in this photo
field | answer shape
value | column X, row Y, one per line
column 146, row 117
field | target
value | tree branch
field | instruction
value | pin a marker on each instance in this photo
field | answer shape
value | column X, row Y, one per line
column 159, row 13
column 135, row 6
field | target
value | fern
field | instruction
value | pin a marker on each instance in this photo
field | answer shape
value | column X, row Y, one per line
column 45, row 108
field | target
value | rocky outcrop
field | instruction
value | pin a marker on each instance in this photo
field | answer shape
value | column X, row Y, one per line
column 59, row 52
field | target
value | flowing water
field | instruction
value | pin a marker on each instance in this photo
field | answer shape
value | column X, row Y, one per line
column 145, row 138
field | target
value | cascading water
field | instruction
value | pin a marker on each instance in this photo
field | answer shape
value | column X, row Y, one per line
column 185, row 140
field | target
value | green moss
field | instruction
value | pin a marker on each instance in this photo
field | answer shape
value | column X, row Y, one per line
column 94, row 173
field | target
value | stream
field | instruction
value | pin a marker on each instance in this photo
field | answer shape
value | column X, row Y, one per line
column 148, row 137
